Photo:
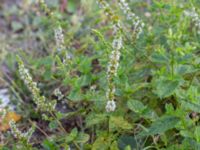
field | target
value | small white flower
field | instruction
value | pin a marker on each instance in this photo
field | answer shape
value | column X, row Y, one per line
column 113, row 63
column 40, row 101
column 59, row 38
column 147, row 14
column 110, row 106
column 58, row 93
column 194, row 17
column 20, row 135
column 93, row 87
column 137, row 22
column 114, row 57
column 117, row 43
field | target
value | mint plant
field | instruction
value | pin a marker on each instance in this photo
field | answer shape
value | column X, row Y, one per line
column 120, row 75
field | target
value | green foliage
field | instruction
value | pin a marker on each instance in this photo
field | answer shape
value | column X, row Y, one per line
column 161, row 125
column 155, row 87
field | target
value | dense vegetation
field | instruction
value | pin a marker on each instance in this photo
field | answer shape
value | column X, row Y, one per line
column 102, row 75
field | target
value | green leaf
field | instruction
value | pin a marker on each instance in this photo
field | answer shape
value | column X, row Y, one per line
column 101, row 37
column 197, row 133
column 72, row 136
column 126, row 141
column 166, row 87
column 118, row 122
column 72, row 5
column 128, row 147
column 85, row 80
column 114, row 146
column 159, row 58
column 75, row 95
column 190, row 106
column 149, row 114
column 84, row 65
column 190, row 143
column 94, row 119
column 184, row 69
column 140, row 108
column 49, row 145
column 16, row 26
column 101, row 143
column 161, row 125
column 67, row 147
column 53, row 125
column 82, row 138
column 136, row 106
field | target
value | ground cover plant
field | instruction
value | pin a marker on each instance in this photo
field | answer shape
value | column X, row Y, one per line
column 101, row 75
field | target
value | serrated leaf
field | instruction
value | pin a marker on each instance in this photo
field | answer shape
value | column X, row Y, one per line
column 94, row 119
column 184, row 69
column 166, row 87
column 119, row 123
column 136, row 106
column 82, row 138
column 149, row 114
column 159, row 58
column 190, row 106
column 140, row 108
column 190, row 143
column 160, row 126
column 75, row 95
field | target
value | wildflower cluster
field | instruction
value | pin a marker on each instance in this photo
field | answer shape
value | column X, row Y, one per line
column 58, row 31
column 59, row 38
column 110, row 106
column 23, row 137
column 114, row 56
column 138, row 24
column 39, row 100
column 58, row 94
column 194, row 17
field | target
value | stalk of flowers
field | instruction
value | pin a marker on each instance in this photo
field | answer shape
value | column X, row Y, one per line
column 40, row 101
column 194, row 17
column 23, row 137
column 58, row 31
column 136, row 21
column 59, row 38
column 114, row 56
column 60, row 44
column 45, row 8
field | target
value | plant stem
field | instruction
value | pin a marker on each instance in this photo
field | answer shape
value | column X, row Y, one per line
column 61, row 126
column 108, row 131
column 172, row 65
column 108, row 125
column 42, row 131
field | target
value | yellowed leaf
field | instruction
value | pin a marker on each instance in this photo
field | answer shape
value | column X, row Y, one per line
column 4, row 123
